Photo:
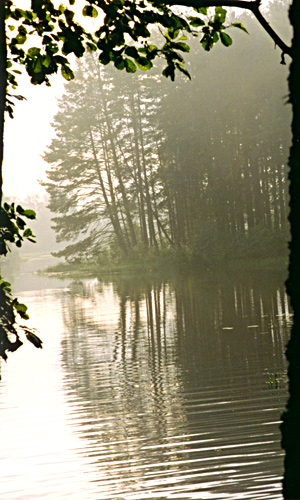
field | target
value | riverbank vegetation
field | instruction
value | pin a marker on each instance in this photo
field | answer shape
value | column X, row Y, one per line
column 148, row 175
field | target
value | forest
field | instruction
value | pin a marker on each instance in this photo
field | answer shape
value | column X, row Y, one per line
column 194, row 172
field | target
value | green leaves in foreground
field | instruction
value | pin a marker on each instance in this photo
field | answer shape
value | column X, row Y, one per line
column 215, row 30
column 10, row 309
column 13, row 226
column 13, row 230
column 123, row 37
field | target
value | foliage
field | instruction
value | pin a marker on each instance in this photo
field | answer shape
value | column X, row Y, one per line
column 13, row 230
column 13, row 226
column 122, row 38
column 10, row 309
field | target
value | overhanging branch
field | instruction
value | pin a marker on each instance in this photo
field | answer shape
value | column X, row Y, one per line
column 253, row 6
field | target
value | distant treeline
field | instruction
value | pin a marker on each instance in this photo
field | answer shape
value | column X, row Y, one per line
column 141, row 164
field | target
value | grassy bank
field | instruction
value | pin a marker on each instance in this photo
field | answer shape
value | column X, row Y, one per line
column 163, row 264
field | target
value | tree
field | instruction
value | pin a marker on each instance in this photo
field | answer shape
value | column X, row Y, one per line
column 290, row 426
column 234, row 135
column 103, row 162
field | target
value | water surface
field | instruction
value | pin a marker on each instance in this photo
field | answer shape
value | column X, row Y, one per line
column 147, row 390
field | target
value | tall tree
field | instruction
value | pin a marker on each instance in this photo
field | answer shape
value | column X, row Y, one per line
column 290, row 426
column 99, row 156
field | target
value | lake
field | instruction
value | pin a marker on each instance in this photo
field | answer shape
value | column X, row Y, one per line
column 147, row 389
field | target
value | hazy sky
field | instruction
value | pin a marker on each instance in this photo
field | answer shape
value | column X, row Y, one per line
column 26, row 137
column 28, row 134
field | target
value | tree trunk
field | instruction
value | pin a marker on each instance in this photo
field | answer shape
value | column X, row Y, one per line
column 153, row 241
column 117, row 166
column 111, row 209
column 290, row 426
column 3, row 83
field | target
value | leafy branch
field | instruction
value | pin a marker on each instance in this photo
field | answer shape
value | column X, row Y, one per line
column 13, row 230
column 10, row 309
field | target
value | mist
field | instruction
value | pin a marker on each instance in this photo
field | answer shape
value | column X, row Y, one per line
column 191, row 172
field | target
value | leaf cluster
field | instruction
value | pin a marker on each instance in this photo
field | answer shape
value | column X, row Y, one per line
column 10, row 308
column 13, row 226
column 123, row 37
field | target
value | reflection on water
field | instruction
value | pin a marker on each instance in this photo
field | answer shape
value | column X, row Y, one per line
column 149, row 391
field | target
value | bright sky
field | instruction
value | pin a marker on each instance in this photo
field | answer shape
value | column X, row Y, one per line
column 26, row 137
column 29, row 133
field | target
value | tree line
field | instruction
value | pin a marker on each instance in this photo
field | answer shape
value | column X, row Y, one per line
column 140, row 165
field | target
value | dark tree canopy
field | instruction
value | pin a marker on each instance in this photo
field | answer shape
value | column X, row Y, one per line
column 123, row 35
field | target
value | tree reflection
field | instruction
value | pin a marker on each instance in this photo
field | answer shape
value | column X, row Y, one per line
column 172, row 377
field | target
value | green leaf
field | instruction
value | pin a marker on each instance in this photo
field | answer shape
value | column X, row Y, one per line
column 6, row 285
column 33, row 52
column 220, row 14
column 240, row 26
column 183, row 70
column 21, row 307
column 104, row 58
column 20, row 39
column 152, row 48
column 215, row 36
column 182, row 46
column 38, row 65
column 69, row 14
column 173, row 33
column 27, row 233
column 89, row 11
column 67, row 73
column 207, row 42
column 169, row 71
column 20, row 223
column 196, row 22
column 30, row 214
column 130, row 66
column 143, row 63
column 202, row 10
column 131, row 52
column 119, row 63
column 47, row 61
column 34, row 339
column 91, row 46
column 225, row 39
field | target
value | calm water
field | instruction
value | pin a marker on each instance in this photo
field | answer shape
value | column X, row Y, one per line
column 147, row 390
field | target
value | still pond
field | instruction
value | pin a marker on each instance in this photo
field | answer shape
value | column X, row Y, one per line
column 147, row 390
